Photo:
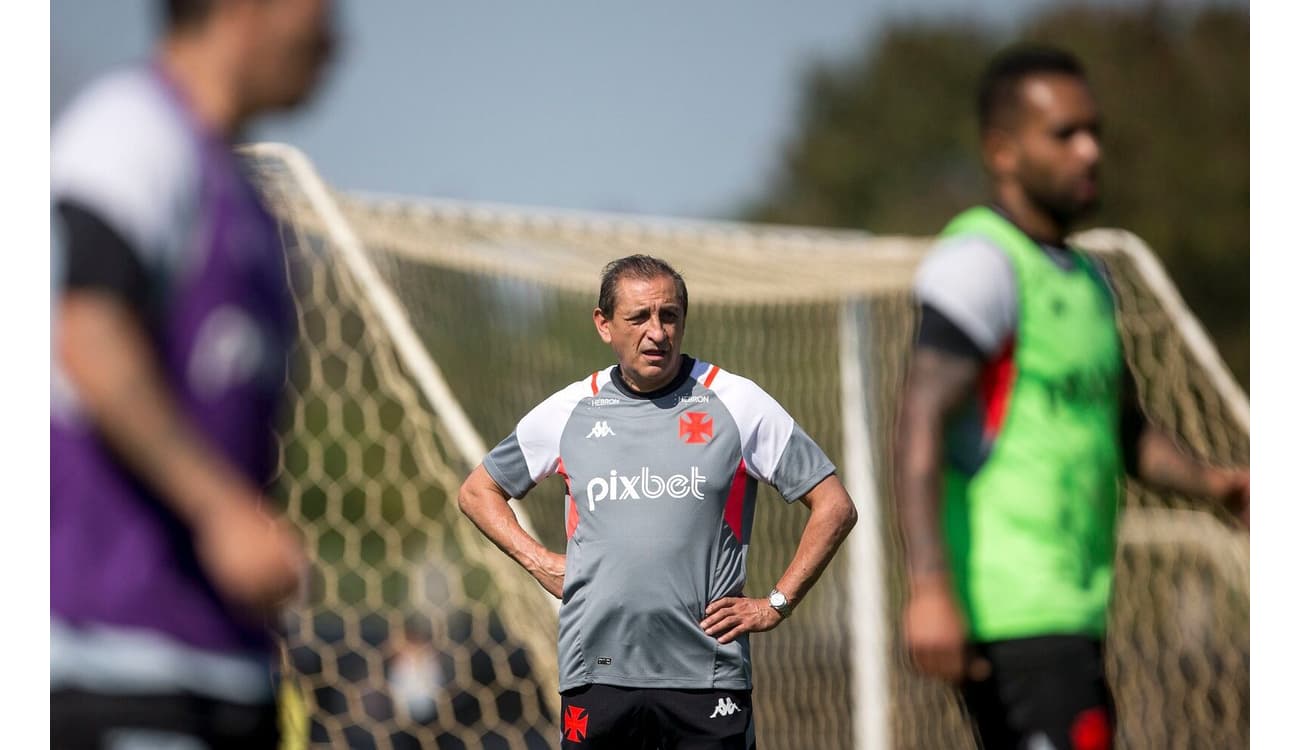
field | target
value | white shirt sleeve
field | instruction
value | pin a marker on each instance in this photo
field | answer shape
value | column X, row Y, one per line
column 122, row 152
column 774, row 448
column 532, row 452
column 971, row 281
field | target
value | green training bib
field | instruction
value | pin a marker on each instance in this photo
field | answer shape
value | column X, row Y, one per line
column 1031, row 532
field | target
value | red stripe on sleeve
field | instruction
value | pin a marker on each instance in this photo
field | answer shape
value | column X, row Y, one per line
column 734, row 514
column 995, row 389
column 708, row 381
column 594, row 388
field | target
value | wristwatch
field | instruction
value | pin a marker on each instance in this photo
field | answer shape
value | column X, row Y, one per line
column 779, row 602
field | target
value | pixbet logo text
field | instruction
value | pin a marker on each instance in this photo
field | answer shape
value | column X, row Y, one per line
column 644, row 485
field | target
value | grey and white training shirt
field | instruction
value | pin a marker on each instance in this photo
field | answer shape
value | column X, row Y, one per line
column 660, row 505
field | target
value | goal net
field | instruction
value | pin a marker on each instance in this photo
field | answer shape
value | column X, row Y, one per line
column 429, row 327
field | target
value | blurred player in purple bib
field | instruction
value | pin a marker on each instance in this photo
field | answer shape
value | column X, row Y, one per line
column 173, row 324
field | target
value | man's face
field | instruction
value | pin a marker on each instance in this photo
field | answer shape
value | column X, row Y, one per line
column 645, row 330
column 1055, row 153
column 288, row 44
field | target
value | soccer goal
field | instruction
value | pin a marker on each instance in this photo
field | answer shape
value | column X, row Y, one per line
column 427, row 326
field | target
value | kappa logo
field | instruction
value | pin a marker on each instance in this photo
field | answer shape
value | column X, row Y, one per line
column 600, row 429
column 695, row 428
column 725, row 707
column 575, row 724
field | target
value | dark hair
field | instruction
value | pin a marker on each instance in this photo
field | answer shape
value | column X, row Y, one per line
column 636, row 267
column 178, row 14
column 999, row 89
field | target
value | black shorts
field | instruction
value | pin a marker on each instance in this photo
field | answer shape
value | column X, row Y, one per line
column 96, row 721
column 596, row 717
column 1049, row 688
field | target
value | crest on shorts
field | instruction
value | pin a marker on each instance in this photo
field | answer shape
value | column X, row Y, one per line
column 575, row 724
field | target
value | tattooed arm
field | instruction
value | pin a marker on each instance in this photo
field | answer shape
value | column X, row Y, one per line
column 937, row 383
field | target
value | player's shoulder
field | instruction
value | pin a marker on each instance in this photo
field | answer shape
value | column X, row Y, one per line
column 713, row 377
column 125, row 119
column 1096, row 261
column 739, row 394
column 123, row 149
column 964, row 267
column 560, row 404
column 1101, row 269
column 964, row 253
column 587, row 386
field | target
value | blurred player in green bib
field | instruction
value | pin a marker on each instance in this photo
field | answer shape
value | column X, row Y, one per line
column 1019, row 419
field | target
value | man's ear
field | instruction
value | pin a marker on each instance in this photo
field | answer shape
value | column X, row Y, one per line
column 602, row 324
column 1000, row 151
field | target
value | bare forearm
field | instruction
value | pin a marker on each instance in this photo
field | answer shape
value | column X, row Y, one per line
column 1164, row 466
column 105, row 352
column 833, row 516
column 936, row 384
column 489, row 510
column 918, row 488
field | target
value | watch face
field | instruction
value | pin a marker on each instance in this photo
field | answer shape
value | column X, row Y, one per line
column 776, row 599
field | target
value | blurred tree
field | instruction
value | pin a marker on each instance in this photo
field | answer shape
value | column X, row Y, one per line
column 887, row 140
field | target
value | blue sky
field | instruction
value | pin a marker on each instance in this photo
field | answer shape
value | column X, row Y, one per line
column 670, row 107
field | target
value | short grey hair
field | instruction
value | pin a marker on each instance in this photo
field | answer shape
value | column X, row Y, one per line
column 636, row 267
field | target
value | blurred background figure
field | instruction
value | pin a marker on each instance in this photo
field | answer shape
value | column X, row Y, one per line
column 173, row 325
column 414, row 675
column 1018, row 420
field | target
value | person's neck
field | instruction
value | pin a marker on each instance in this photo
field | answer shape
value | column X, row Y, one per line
column 1031, row 219
column 204, row 73
column 643, row 388
column 659, row 384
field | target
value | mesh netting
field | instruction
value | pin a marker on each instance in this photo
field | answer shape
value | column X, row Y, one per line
column 416, row 631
